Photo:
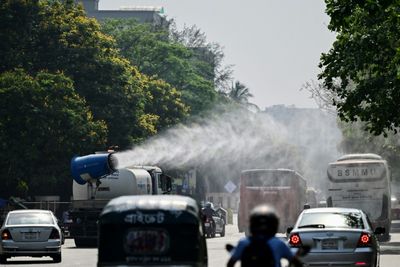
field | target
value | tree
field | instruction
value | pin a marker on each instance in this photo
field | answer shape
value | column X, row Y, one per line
column 57, row 37
column 154, row 53
column 361, row 68
column 240, row 94
column 164, row 102
column 357, row 140
column 209, row 55
column 43, row 121
column 324, row 98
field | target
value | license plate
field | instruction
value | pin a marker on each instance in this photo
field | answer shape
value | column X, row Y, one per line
column 31, row 236
column 146, row 241
column 207, row 224
column 329, row 244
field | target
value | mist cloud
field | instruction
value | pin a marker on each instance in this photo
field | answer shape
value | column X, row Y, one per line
column 281, row 138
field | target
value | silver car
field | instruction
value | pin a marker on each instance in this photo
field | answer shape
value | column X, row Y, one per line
column 30, row 233
column 337, row 236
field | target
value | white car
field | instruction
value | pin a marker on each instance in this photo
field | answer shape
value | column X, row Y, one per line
column 30, row 233
column 337, row 237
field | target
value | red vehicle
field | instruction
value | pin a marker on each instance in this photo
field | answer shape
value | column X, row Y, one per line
column 283, row 189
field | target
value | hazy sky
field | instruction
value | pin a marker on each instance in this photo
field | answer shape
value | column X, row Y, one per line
column 274, row 45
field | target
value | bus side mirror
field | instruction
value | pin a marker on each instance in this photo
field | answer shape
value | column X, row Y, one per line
column 169, row 184
column 379, row 231
column 166, row 183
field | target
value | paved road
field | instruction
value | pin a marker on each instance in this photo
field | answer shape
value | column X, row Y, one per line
column 87, row 257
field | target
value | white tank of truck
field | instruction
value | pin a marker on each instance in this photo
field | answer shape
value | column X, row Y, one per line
column 124, row 181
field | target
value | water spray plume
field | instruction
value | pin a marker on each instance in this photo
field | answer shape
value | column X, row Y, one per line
column 228, row 137
column 299, row 139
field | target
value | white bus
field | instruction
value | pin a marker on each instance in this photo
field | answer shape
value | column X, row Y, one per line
column 362, row 181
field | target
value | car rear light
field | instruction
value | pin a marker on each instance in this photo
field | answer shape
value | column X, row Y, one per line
column 365, row 240
column 6, row 235
column 294, row 240
column 54, row 234
column 360, row 263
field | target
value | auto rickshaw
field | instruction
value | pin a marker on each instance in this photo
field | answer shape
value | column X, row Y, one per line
column 151, row 230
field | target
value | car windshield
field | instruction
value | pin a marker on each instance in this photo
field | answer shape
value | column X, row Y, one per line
column 29, row 218
column 331, row 220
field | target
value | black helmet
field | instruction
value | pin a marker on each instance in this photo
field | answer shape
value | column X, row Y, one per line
column 263, row 221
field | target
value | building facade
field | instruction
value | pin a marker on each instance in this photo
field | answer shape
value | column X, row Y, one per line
column 143, row 14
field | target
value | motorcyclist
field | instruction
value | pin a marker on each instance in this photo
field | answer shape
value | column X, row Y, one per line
column 208, row 211
column 262, row 248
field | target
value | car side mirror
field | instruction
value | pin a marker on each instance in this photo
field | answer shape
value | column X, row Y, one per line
column 379, row 231
column 288, row 230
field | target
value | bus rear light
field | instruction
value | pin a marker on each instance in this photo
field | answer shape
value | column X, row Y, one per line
column 360, row 263
column 365, row 240
column 6, row 235
column 294, row 240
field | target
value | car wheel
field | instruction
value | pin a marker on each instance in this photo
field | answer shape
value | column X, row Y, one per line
column 57, row 258
column 223, row 231
column 3, row 259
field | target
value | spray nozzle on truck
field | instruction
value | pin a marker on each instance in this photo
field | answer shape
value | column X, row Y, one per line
column 93, row 167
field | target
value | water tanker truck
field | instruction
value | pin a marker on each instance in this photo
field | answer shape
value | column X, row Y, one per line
column 96, row 181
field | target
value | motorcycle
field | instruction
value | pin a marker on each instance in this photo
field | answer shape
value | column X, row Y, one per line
column 209, row 227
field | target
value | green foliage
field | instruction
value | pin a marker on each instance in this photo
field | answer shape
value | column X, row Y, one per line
column 362, row 67
column 165, row 103
column 155, row 54
column 65, row 89
column 357, row 140
column 43, row 122
column 58, row 37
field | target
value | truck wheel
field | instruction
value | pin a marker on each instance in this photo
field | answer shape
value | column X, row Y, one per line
column 3, row 259
column 57, row 258
column 85, row 242
column 78, row 242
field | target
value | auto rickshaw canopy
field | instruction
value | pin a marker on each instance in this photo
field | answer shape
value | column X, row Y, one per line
column 151, row 230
